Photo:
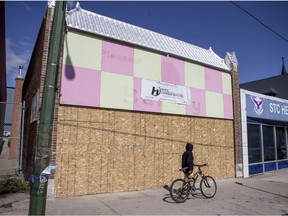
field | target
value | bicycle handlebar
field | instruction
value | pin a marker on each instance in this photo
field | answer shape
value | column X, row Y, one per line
column 201, row 165
column 196, row 165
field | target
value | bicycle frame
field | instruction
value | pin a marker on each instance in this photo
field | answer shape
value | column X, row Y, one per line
column 180, row 188
column 195, row 175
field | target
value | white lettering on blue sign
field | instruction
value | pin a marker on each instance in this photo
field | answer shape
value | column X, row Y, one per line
column 274, row 108
column 266, row 108
column 285, row 109
column 278, row 109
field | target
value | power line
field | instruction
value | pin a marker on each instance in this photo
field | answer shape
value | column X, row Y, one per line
column 260, row 21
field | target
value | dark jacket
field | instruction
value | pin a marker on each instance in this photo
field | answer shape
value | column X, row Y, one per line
column 187, row 157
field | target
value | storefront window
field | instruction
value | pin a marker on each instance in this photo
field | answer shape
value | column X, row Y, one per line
column 254, row 143
column 281, row 143
column 268, row 143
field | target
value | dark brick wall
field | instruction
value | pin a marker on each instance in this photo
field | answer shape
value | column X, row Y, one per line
column 237, row 115
column 34, row 82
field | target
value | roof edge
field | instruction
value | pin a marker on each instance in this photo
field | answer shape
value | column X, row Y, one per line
column 210, row 63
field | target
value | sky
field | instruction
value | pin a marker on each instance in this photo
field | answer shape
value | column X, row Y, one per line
column 217, row 24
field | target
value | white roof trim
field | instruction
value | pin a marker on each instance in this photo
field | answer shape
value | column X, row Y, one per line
column 88, row 21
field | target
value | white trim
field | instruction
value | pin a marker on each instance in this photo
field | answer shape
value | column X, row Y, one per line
column 263, row 96
column 244, row 133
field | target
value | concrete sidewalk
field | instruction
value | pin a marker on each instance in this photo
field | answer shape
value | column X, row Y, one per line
column 7, row 165
column 264, row 194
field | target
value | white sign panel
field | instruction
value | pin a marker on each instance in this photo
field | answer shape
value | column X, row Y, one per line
column 34, row 107
column 160, row 91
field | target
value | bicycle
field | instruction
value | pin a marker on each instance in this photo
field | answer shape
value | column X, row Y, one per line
column 180, row 190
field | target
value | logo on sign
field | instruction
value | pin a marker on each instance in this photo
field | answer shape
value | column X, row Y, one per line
column 258, row 104
column 155, row 91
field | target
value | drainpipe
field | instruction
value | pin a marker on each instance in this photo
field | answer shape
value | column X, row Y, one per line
column 38, row 192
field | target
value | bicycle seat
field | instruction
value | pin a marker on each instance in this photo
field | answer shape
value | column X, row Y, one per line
column 185, row 168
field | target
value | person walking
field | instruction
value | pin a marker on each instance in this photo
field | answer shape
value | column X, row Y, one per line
column 188, row 161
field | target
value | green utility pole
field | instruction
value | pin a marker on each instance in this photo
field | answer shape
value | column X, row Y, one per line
column 38, row 193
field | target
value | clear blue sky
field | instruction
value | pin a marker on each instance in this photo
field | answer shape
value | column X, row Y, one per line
column 220, row 25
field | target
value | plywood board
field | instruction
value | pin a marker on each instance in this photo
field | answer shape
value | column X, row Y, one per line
column 102, row 151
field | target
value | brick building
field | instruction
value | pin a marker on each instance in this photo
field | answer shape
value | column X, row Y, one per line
column 32, row 92
column 128, row 101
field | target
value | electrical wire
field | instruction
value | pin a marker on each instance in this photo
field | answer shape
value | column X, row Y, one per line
column 260, row 21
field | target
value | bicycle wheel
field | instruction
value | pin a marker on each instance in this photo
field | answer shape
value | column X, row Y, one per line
column 179, row 190
column 208, row 186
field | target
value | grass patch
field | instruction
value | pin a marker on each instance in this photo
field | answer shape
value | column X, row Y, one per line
column 13, row 185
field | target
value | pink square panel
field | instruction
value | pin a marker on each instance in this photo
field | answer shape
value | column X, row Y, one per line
column 213, row 80
column 144, row 105
column 80, row 86
column 172, row 70
column 117, row 58
column 228, row 106
column 197, row 106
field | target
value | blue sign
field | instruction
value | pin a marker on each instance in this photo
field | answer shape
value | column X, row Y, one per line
column 261, row 107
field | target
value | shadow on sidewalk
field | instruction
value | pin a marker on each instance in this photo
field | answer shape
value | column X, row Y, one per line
column 168, row 196
column 241, row 184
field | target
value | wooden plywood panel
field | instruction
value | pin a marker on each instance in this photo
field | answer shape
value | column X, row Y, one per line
column 81, row 174
column 72, row 132
column 149, row 171
column 104, row 174
column 62, row 175
column 60, row 134
column 94, row 173
column 123, row 169
column 219, row 127
column 179, row 128
column 108, row 120
column 199, row 131
column 125, row 122
column 127, row 151
column 119, row 173
column 95, row 142
column 168, row 158
column 71, row 184
column 158, row 127
column 150, row 125
column 84, row 115
column 72, row 115
column 83, row 139
column 66, row 139
column 130, row 167
column 96, row 117
column 160, row 168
